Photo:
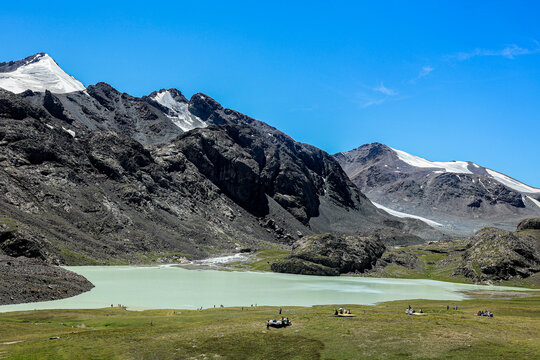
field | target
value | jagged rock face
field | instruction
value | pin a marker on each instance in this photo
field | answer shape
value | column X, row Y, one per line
column 247, row 165
column 53, row 105
column 152, row 119
column 99, row 195
column 329, row 254
column 462, row 196
column 496, row 254
column 15, row 107
column 89, row 193
column 101, row 107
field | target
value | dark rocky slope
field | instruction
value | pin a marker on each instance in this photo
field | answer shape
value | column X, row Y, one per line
column 81, row 195
column 29, row 280
column 102, row 107
column 329, row 254
column 529, row 224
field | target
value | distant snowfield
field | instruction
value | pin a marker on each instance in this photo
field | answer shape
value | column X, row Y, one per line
column 40, row 75
column 462, row 167
column 535, row 202
column 405, row 215
column 458, row 167
column 511, row 183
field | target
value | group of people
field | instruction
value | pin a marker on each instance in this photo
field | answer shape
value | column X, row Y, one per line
column 342, row 311
column 282, row 322
column 410, row 311
column 484, row 313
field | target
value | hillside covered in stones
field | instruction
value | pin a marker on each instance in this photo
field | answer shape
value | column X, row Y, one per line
column 101, row 177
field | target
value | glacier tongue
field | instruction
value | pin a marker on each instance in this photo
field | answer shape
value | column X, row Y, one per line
column 178, row 111
column 40, row 73
column 405, row 215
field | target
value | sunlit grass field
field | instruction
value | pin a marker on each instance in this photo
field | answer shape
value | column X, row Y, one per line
column 380, row 332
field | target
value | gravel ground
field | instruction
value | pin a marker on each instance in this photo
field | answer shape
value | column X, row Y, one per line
column 28, row 280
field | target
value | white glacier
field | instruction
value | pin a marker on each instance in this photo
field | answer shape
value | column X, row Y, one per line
column 458, row 167
column 40, row 74
column 405, row 215
column 512, row 183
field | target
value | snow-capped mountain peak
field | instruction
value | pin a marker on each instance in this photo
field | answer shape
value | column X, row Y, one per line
column 465, row 167
column 176, row 106
column 38, row 72
column 460, row 195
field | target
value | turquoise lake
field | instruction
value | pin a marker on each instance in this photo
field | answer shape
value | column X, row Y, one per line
column 166, row 287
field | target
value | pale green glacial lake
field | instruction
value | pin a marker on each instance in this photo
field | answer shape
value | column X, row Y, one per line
column 163, row 287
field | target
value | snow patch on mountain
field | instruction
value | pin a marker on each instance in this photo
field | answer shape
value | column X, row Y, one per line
column 405, row 215
column 70, row 132
column 459, row 167
column 512, row 183
column 178, row 111
column 462, row 167
column 534, row 201
column 39, row 73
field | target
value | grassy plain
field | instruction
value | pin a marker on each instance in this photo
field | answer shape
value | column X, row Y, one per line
column 383, row 331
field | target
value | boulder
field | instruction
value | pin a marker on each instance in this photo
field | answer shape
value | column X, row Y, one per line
column 529, row 224
column 329, row 254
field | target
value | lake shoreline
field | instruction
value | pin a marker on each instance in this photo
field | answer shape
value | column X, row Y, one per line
column 164, row 286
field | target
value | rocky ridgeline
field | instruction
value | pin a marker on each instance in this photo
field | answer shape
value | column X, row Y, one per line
column 90, row 176
column 465, row 200
column 330, row 254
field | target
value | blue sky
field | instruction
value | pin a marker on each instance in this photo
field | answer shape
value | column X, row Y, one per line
column 445, row 80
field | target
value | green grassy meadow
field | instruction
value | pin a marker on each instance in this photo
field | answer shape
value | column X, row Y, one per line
column 383, row 331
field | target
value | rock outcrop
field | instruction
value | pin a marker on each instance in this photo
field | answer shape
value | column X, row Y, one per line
column 495, row 254
column 529, row 224
column 332, row 255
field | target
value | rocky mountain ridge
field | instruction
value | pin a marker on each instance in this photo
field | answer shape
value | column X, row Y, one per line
column 459, row 195
column 100, row 176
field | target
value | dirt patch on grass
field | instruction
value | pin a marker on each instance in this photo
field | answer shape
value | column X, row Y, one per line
column 13, row 342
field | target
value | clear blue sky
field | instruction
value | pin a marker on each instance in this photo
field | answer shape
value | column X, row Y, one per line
column 446, row 80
